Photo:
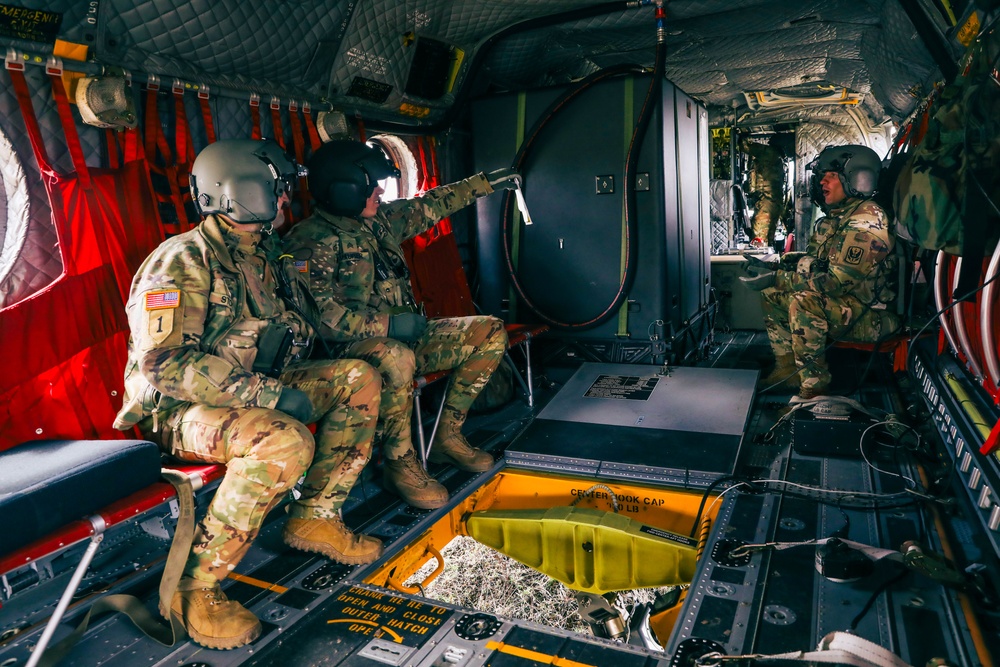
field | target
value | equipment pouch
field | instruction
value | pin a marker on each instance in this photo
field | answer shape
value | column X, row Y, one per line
column 273, row 343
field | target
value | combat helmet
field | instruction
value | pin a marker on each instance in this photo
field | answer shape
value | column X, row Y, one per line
column 242, row 179
column 857, row 167
column 344, row 173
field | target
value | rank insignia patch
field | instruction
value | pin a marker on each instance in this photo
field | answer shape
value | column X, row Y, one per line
column 170, row 298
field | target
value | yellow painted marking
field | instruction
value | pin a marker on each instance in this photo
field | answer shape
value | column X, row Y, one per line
column 397, row 638
column 528, row 654
column 258, row 583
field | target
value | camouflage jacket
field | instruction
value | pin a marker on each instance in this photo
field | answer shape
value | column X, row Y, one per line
column 356, row 268
column 767, row 171
column 196, row 308
column 849, row 253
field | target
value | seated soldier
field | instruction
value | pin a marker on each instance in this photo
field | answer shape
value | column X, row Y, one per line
column 221, row 330
column 841, row 285
column 358, row 275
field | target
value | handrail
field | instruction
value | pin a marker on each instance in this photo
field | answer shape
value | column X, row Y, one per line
column 419, row 588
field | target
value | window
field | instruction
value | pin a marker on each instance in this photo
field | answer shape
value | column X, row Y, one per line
column 405, row 186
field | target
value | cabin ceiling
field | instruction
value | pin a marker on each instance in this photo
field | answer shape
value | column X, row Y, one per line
column 717, row 50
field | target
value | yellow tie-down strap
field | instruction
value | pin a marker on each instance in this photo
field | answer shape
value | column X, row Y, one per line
column 587, row 549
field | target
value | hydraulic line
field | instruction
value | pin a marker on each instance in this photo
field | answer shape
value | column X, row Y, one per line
column 990, row 357
column 940, row 298
column 961, row 330
column 631, row 226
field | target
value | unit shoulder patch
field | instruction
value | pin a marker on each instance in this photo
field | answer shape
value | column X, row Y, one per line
column 854, row 254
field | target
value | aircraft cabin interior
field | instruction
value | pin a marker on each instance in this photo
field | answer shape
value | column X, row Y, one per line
column 658, row 171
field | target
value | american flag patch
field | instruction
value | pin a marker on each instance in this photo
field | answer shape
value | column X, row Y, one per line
column 302, row 265
column 170, row 298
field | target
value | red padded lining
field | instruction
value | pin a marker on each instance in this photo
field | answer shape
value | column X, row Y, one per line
column 70, row 385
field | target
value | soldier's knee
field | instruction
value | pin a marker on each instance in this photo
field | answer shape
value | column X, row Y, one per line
column 287, row 449
column 493, row 331
column 395, row 362
column 806, row 301
column 365, row 384
column 770, row 297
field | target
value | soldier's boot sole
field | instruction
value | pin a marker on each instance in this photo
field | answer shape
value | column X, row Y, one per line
column 406, row 478
column 474, row 463
column 252, row 632
column 221, row 643
column 420, row 502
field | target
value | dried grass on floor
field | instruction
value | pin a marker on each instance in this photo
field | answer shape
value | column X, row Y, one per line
column 475, row 576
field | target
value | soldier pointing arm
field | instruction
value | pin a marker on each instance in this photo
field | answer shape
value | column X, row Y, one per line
column 351, row 247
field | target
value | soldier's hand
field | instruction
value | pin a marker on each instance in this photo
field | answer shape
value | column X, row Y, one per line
column 295, row 403
column 505, row 178
column 756, row 266
column 759, row 282
column 792, row 258
column 407, row 327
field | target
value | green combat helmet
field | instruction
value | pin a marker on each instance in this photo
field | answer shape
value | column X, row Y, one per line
column 857, row 166
column 242, row 179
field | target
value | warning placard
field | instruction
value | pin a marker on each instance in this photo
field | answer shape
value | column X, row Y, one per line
column 35, row 25
column 382, row 615
column 625, row 387
column 367, row 89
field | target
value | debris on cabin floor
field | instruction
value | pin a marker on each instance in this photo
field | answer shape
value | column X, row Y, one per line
column 477, row 577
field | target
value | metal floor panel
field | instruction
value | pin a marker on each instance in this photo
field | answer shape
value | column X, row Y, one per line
column 699, row 400
column 679, row 425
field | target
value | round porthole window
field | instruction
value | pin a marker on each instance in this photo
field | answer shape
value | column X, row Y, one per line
column 13, row 209
column 405, row 186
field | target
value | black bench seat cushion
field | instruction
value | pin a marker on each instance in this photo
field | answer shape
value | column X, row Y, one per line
column 47, row 484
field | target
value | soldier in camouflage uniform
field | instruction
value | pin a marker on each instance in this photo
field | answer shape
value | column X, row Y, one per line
column 350, row 249
column 222, row 328
column 841, row 287
column 767, row 191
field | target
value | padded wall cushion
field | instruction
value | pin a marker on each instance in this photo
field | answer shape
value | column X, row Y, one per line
column 49, row 483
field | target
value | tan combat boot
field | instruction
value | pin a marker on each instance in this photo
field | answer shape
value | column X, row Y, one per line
column 209, row 617
column 784, row 377
column 407, row 479
column 450, row 446
column 333, row 539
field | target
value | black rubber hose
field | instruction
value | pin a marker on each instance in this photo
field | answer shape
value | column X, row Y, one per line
column 631, row 226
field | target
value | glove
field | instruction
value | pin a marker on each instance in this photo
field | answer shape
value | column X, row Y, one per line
column 295, row 403
column 407, row 327
column 792, row 258
column 505, row 178
column 756, row 266
column 759, row 282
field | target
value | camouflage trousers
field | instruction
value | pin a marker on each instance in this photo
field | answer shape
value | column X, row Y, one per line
column 267, row 451
column 800, row 323
column 471, row 347
column 767, row 212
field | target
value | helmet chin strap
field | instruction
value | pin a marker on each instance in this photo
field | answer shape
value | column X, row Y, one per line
column 266, row 226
